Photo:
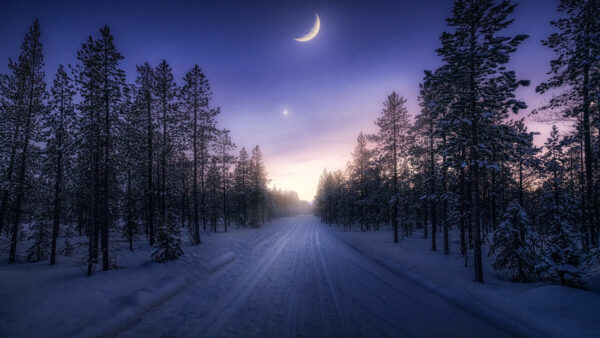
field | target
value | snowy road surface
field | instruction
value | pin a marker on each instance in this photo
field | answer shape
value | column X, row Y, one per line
column 299, row 279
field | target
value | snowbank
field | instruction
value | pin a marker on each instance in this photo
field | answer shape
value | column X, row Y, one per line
column 534, row 308
column 39, row 300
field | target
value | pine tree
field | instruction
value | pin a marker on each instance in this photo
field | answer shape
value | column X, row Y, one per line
column 41, row 246
column 12, row 125
column 514, row 246
column 553, row 162
column 195, row 96
column 59, row 123
column 476, row 55
column 168, row 243
column 391, row 141
column 359, row 176
column 241, row 177
column 432, row 108
column 112, row 80
column 39, row 218
column 100, row 83
column 69, row 247
column 577, row 46
column 213, row 184
column 146, row 101
column 258, row 187
column 86, row 78
column 30, row 93
column 223, row 148
column 564, row 261
column 131, row 159
column 165, row 92
column 524, row 155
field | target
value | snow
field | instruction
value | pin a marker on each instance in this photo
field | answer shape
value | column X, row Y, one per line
column 293, row 277
column 60, row 301
column 536, row 308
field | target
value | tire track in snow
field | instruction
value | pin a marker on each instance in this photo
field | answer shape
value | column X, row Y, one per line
column 348, row 279
column 318, row 276
column 428, row 300
column 225, row 309
column 204, row 292
column 292, row 308
column 326, row 273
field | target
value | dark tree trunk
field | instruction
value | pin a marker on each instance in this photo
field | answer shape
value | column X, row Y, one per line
column 394, row 196
column 93, row 244
column 590, row 203
column 163, row 191
column 493, row 207
column 57, row 191
column 445, row 203
column 105, row 183
column 474, row 168
column 21, row 180
column 129, row 212
column 9, row 172
column 150, row 187
column 463, row 210
column 432, row 193
column 224, row 201
column 20, row 192
column 425, row 207
column 195, row 182
column 521, row 228
column 202, row 184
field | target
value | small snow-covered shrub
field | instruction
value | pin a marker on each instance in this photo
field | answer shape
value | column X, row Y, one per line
column 514, row 246
column 168, row 246
column 564, row 261
column 68, row 248
column 40, row 248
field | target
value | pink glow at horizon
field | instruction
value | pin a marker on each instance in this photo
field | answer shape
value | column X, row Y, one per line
column 299, row 167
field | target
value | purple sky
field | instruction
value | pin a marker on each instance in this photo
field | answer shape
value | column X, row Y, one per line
column 332, row 86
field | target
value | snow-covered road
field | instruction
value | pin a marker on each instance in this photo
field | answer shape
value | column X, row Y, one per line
column 299, row 279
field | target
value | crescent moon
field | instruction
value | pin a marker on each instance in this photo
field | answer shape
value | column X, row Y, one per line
column 313, row 32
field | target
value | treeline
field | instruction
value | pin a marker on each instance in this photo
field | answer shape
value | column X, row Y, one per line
column 97, row 156
column 463, row 163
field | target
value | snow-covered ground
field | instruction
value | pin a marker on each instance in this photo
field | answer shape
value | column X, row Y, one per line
column 536, row 308
column 39, row 300
column 294, row 277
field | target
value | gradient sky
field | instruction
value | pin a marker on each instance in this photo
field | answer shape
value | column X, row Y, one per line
column 333, row 86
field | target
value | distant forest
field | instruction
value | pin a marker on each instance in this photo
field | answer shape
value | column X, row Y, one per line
column 464, row 164
column 97, row 156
